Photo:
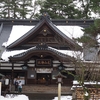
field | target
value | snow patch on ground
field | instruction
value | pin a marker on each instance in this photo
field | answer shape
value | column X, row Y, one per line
column 14, row 97
column 64, row 98
column 24, row 97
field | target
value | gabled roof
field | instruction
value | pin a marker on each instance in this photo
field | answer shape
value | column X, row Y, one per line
column 45, row 20
column 37, row 51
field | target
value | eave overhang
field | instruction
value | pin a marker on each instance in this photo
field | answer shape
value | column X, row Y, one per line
column 38, row 50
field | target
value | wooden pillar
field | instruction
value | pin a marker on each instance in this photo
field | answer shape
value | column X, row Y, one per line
column 25, row 77
column 0, row 88
column 12, row 76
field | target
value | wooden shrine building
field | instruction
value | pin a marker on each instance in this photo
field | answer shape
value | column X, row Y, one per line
column 41, row 59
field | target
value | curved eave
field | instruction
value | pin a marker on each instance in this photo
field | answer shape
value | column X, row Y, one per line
column 49, row 51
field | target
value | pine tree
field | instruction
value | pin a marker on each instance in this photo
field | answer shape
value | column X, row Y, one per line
column 69, row 8
column 5, row 8
column 92, row 32
column 59, row 8
column 25, row 8
column 15, row 8
column 88, row 7
column 84, row 7
column 95, row 6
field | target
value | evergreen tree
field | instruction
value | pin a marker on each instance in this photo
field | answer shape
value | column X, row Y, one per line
column 69, row 8
column 5, row 8
column 15, row 8
column 95, row 6
column 25, row 8
column 88, row 7
column 59, row 9
column 84, row 7
column 36, row 8
column 91, row 37
column 14, row 12
column 92, row 32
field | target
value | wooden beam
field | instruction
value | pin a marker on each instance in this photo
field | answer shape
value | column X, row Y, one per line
column 65, row 22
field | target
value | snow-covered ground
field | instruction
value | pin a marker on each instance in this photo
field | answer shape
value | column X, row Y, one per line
column 14, row 97
column 64, row 98
column 24, row 97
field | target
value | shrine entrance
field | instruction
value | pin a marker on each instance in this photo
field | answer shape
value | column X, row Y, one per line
column 44, row 78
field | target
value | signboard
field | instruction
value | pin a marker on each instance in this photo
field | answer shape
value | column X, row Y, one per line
column 44, row 70
column 43, row 62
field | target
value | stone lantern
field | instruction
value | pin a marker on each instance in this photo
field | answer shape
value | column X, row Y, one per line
column 59, row 77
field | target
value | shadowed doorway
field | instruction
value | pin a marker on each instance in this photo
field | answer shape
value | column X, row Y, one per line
column 43, row 78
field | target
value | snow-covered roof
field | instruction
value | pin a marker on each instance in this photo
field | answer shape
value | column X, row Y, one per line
column 70, row 31
column 18, row 34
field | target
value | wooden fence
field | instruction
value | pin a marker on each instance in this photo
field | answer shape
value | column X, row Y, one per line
column 93, row 92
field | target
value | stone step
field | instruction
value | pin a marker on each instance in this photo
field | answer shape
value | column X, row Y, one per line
column 45, row 89
column 40, row 96
column 43, row 92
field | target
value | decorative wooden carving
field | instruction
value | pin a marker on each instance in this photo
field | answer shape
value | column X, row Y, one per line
column 59, row 39
column 46, row 35
column 44, row 40
column 47, row 39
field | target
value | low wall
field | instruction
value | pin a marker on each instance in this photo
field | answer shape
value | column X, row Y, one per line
column 78, row 94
